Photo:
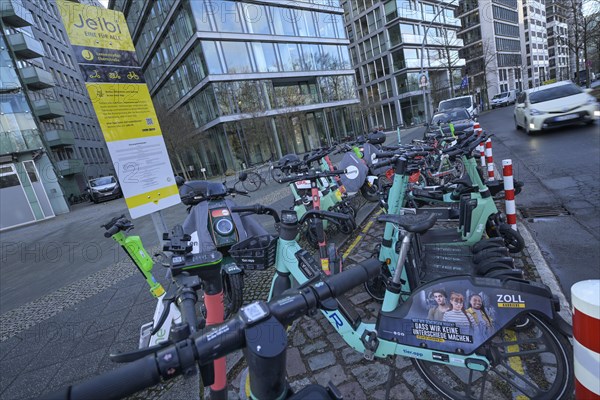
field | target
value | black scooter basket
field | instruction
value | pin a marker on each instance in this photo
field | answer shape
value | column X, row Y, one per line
column 257, row 253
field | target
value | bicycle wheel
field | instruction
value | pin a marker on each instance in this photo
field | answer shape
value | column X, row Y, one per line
column 534, row 362
column 252, row 182
column 276, row 174
column 233, row 293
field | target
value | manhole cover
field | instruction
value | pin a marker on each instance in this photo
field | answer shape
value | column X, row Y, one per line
column 544, row 211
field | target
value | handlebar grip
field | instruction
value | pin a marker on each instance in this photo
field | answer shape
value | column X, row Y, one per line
column 341, row 283
column 116, row 384
column 385, row 154
column 111, row 231
column 385, row 163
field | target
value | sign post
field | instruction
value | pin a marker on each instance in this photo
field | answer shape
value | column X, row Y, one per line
column 114, row 80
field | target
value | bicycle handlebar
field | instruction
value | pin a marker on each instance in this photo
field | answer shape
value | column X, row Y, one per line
column 179, row 358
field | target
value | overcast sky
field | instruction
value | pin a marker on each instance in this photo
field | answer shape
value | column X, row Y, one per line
column 104, row 3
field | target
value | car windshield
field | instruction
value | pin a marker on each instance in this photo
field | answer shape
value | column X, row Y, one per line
column 106, row 180
column 501, row 95
column 449, row 116
column 463, row 102
column 553, row 93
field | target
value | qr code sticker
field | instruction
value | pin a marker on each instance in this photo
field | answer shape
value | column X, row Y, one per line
column 149, row 121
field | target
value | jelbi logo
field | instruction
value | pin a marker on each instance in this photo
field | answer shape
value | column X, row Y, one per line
column 87, row 55
column 97, row 24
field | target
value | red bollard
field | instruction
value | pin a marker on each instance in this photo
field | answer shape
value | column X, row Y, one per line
column 509, row 193
column 489, row 159
column 586, row 335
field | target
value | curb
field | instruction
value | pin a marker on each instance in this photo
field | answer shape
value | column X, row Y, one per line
column 546, row 275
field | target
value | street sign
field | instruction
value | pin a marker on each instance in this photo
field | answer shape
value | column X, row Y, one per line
column 104, row 50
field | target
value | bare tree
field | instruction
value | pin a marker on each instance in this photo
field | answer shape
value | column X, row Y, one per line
column 582, row 31
column 446, row 56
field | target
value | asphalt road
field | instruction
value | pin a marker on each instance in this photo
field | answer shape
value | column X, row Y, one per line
column 561, row 170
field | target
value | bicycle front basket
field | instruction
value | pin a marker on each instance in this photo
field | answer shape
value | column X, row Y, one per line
column 257, row 253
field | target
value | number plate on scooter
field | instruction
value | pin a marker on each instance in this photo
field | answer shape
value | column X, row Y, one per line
column 303, row 184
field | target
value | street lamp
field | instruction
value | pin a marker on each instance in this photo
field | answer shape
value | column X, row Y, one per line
column 426, row 104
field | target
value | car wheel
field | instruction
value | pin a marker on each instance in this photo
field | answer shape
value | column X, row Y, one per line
column 526, row 127
column 517, row 126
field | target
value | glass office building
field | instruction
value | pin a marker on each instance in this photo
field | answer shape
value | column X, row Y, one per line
column 392, row 43
column 29, row 187
column 254, row 80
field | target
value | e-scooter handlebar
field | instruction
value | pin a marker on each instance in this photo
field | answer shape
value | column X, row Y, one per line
column 257, row 209
column 181, row 357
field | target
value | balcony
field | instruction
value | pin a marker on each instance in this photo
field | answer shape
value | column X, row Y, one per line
column 14, row 14
column 9, row 80
column 48, row 109
column 70, row 167
column 25, row 46
column 36, row 78
column 59, row 138
column 20, row 141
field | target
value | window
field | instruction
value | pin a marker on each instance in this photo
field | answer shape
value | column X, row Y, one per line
column 236, row 57
column 266, row 59
column 227, row 19
column 257, row 19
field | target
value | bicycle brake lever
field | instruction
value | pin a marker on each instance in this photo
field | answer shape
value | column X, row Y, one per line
column 134, row 355
column 163, row 316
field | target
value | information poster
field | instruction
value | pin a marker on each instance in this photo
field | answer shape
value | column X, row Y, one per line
column 106, row 56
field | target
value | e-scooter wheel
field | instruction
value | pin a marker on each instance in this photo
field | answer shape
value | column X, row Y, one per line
column 513, row 240
column 543, row 354
column 370, row 191
column 233, row 293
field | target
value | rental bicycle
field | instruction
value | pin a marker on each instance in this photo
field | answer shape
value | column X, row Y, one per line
column 461, row 357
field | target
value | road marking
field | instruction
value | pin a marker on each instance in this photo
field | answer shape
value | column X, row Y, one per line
column 361, row 235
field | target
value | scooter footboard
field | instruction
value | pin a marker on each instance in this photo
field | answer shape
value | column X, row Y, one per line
column 460, row 313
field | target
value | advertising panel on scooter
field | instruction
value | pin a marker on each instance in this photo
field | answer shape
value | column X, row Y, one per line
column 455, row 315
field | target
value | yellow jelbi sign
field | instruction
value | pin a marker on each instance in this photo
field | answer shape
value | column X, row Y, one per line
column 107, row 59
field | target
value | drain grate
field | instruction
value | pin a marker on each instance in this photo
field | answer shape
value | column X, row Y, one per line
column 544, row 211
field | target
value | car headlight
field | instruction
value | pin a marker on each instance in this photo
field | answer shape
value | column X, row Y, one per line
column 534, row 111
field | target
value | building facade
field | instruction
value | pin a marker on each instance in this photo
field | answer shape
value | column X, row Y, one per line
column 29, row 187
column 492, row 45
column 534, row 43
column 247, row 81
column 394, row 43
column 558, row 32
column 75, row 140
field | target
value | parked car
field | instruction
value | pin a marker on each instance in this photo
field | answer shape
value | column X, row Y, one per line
column 458, row 117
column 504, row 99
column 104, row 188
column 467, row 102
column 558, row 104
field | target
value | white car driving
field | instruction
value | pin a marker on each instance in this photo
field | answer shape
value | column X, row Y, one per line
column 558, row 104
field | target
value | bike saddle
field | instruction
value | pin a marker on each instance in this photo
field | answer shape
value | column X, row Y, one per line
column 419, row 223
